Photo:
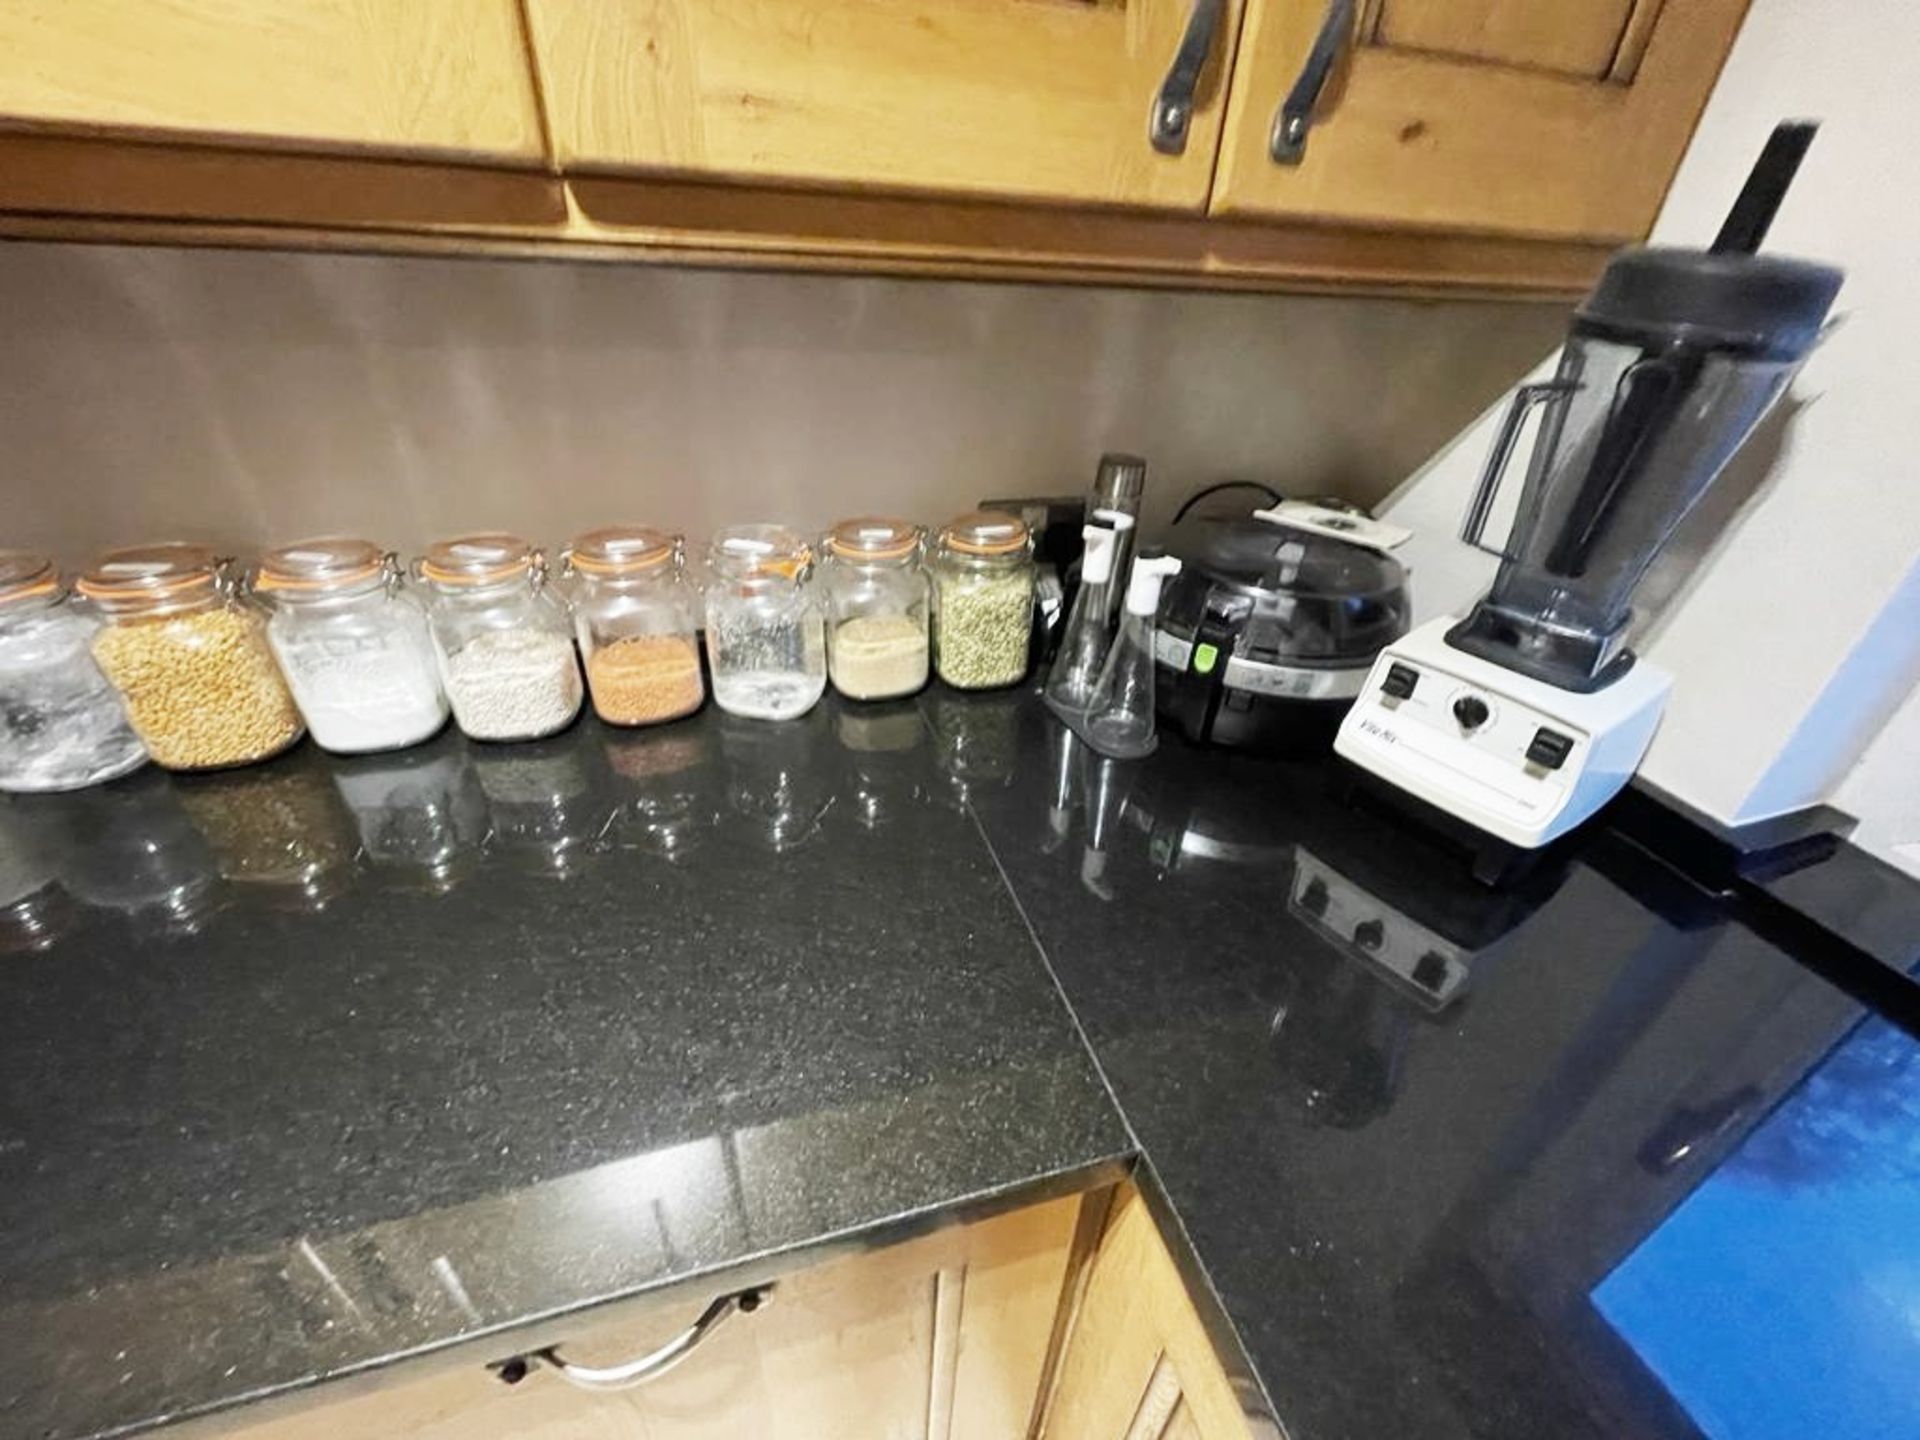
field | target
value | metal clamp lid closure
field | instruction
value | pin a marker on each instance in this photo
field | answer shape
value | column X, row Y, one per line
column 157, row 576
column 25, row 574
column 760, row 552
column 985, row 532
column 480, row 559
column 324, row 566
column 873, row 538
column 621, row 551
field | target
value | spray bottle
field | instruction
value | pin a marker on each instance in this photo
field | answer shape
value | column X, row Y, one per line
column 1119, row 722
column 1084, row 643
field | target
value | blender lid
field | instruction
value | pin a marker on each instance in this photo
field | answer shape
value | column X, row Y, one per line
column 1764, row 304
column 1259, row 557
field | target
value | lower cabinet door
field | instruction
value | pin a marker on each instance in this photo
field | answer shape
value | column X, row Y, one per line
column 1138, row 1364
column 942, row 1337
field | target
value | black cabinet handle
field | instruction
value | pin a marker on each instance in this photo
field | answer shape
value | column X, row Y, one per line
column 1172, row 114
column 1288, row 142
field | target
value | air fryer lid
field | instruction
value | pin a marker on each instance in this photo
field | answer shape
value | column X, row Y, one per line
column 1291, row 597
column 1259, row 558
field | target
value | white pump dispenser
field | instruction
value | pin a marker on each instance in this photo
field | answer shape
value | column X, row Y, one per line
column 1143, row 585
column 1083, row 644
column 1120, row 722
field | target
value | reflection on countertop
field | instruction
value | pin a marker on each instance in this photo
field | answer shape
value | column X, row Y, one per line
column 318, row 1063
column 1408, row 1124
column 312, row 1065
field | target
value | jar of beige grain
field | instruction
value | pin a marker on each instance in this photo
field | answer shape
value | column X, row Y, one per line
column 187, row 649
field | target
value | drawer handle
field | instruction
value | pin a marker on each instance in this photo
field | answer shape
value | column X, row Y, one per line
column 1173, row 107
column 1288, row 143
column 647, row 1367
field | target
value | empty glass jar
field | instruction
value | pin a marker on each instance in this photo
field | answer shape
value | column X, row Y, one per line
column 353, row 644
column 876, row 597
column 504, row 641
column 982, row 600
column 637, row 620
column 187, row 650
column 765, row 644
column 61, row 724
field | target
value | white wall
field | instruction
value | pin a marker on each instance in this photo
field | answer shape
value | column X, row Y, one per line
column 247, row 397
column 1795, row 636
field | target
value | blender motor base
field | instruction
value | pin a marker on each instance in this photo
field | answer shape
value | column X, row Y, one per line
column 1519, row 759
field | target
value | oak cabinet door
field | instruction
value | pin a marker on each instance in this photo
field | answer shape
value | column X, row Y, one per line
column 1029, row 99
column 1563, row 120
column 1137, row 1360
column 432, row 78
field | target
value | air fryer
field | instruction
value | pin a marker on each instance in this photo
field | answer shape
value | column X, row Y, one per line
column 1267, row 633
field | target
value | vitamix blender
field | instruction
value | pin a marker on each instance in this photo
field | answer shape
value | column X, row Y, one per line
column 1527, row 715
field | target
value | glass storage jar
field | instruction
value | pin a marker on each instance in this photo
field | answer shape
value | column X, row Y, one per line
column 504, row 640
column 280, row 831
column 353, row 644
column 637, row 620
column 187, row 650
column 982, row 600
column 421, row 813
column 765, row 644
column 132, row 851
column 876, row 598
column 61, row 724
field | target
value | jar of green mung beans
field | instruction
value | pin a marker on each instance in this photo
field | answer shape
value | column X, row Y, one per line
column 982, row 571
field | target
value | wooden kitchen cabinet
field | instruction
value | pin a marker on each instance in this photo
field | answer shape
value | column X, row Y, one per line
column 944, row 1337
column 1511, row 117
column 1458, row 145
column 1137, row 1362
column 1030, row 99
column 399, row 115
column 394, row 77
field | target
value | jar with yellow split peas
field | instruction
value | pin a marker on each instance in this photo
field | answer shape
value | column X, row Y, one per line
column 188, row 652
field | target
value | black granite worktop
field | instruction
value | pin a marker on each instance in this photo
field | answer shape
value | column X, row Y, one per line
column 1577, row 1158
column 317, row 1064
column 313, row 1066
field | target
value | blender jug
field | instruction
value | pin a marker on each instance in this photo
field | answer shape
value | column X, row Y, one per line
column 1669, row 364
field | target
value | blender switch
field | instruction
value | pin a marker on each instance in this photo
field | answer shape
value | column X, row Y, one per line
column 1471, row 711
column 1549, row 748
column 1400, row 681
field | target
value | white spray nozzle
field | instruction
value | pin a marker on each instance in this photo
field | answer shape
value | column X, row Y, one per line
column 1117, row 520
column 1143, row 585
column 1096, row 562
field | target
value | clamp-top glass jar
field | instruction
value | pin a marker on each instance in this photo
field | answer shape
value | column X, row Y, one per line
column 353, row 643
column 982, row 600
column 764, row 634
column 876, row 608
column 61, row 724
column 504, row 640
column 637, row 620
column 186, row 647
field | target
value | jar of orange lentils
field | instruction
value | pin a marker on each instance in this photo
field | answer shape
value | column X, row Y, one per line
column 636, row 618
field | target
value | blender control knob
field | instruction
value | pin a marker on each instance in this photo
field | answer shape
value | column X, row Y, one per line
column 1471, row 711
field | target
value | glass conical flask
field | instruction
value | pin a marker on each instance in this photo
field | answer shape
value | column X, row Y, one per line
column 1084, row 643
column 1120, row 721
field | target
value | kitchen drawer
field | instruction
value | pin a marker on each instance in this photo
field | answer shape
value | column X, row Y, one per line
column 943, row 1336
